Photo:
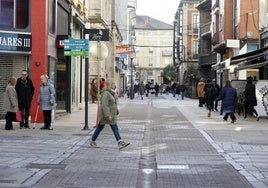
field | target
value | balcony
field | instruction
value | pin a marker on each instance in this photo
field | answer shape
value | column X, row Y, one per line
column 216, row 7
column 205, row 31
column 192, row 30
column 209, row 59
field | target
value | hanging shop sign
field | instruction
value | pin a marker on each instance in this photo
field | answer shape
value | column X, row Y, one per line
column 15, row 42
column 97, row 34
column 122, row 50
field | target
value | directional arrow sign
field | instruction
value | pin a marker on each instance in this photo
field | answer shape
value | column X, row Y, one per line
column 75, row 53
column 75, row 44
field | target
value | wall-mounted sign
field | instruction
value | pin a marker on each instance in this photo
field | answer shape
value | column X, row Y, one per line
column 15, row 42
column 97, row 34
column 75, row 44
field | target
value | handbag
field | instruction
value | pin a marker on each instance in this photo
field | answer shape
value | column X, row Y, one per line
column 19, row 116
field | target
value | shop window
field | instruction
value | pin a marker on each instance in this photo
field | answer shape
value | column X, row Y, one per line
column 14, row 13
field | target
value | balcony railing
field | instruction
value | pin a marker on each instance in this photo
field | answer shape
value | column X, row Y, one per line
column 209, row 59
column 205, row 29
column 216, row 6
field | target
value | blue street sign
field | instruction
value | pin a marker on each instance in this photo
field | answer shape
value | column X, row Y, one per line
column 75, row 44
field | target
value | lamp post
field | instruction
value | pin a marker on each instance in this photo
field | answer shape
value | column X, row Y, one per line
column 131, row 78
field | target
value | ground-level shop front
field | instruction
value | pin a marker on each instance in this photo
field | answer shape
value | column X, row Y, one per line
column 10, row 65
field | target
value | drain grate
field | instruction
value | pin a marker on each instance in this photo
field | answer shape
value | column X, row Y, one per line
column 7, row 181
column 46, row 166
column 173, row 167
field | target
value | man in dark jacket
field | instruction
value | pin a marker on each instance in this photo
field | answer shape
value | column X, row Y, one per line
column 25, row 92
column 251, row 100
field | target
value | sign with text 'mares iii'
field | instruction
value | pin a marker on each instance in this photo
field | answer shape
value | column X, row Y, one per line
column 97, row 34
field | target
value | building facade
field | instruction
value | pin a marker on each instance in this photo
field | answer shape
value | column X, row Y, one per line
column 153, row 49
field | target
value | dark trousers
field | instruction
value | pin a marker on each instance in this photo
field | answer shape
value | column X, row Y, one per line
column 225, row 117
column 10, row 116
column 47, row 118
column 250, row 109
column 25, row 116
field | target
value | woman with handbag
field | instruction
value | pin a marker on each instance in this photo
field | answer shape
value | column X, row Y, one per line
column 10, row 103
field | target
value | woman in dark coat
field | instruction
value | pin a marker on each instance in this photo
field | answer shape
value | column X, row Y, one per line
column 251, row 100
column 209, row 96
column 228, row 97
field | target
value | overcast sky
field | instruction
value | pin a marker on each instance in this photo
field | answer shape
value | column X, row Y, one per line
column 163, row 10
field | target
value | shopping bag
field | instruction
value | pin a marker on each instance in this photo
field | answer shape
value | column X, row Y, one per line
column 19, row 116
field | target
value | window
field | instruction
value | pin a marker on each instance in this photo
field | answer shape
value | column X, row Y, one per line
column 52, row 16
column 195, row 47
column 14, row 13
column 150, row 62
column 195, row 22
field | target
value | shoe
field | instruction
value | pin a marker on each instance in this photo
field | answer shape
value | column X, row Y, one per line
column 216, row 109
column 209, row 113
column 93, row 144
column 225, row 120
column 122, row 144
column 44, row 127
column 233, row 121
column 50, row 128
column 244, row 119
column 26, row 126
column 257, row 118
column 21, row 125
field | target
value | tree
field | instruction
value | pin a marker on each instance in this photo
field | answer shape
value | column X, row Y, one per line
column 169, row 73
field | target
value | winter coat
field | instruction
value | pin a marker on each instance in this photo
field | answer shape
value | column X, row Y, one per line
column 25, row 92
column 93, row 90
column 250, row 93
column 229, row 98
column 142, row 89
column 108, row 107
column 209, row 93
column 10, row 99
column 46, row 96
column 200, row 89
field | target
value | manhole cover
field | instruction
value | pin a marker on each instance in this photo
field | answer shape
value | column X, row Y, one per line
column 46, row 166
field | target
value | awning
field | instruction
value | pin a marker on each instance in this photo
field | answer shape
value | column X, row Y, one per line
column 221, row 65
column 250, row 66
column 250, row 56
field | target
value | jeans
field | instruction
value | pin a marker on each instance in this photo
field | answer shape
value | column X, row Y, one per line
column 100, row 128
column 182, row 95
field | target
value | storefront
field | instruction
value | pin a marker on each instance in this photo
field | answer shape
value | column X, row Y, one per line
column 14, row 57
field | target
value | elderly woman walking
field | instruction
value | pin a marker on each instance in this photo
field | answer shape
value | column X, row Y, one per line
column 46, row 98
column 108, row 114
column 10, row 103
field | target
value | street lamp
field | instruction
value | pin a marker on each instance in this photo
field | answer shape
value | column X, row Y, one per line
column 131, row 77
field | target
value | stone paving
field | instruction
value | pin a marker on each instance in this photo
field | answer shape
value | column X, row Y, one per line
column 173, row 144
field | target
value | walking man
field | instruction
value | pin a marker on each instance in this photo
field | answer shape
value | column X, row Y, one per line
column 25, row 91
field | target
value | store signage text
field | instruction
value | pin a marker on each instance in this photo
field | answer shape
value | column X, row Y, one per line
column 15, row 42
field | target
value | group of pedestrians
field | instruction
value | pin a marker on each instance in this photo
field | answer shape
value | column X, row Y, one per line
column 209, row 93
column 18, row 98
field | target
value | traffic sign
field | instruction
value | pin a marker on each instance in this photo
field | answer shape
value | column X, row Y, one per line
column 76, row 53
column 75, row 44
